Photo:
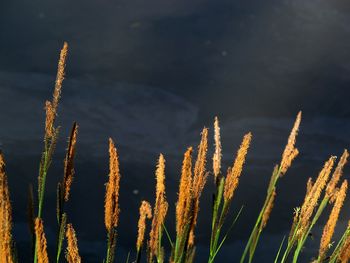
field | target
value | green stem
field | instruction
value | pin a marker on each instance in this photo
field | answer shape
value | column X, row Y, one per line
column 275, row 176
column 290, row 243
column 215, row 232
column 335, row 253
column 41, row 196
column 228, row 231
column 279, row 250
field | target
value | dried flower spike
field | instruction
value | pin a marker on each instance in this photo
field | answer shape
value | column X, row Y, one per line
column 328, row 230
column 268, row 210
column 112, row 189
column 5, row 216
column 160, row 208
column 145, row 212
column 234, row 173
column 290, row 152
column 199, row 180
column 338, row 172
column 183, row 205
column 72, row 254
column 217, row 154
column 314, row 194
column 41, row 241
column 60, row 76
column 69, row 162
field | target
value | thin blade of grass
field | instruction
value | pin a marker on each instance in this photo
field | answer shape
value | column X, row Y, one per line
column 168, row 236
column 226, row 235
column 279, row 250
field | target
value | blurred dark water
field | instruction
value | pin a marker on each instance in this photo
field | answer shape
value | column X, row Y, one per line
column 151, row 75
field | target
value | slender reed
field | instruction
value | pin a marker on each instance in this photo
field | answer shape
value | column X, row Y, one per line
column 63, row 189
column 289, row 154
column 51, row 133
column 226, row 189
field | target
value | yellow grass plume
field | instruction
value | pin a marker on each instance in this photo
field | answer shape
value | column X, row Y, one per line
column 183, row 206
column 51, row 106
column 314, row 193
column 112, row 189
column 72, row 254
column 338, row 172
column 5, row 216
column 268, row 210
column 41, row 241
column 145, row 212
column 69, row 162
column 308, row 186
column 328, row 230
column 199, row 180
column 200, row 176
column 49, row 120
column 60, row 76
column 160, row 208
column 234, row 173
column 217, row 154
column 290, row 152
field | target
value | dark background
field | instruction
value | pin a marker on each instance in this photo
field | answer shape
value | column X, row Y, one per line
column 151, row 74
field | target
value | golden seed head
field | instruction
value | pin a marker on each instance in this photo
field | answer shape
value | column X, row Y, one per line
column 49, row 121
column 5, row 216
column 234, row 174
column 312, row 197
column 217, row 154
column 290, row 152
column 160, row 208
column 308, row 186
column 200, row 176
column 157, row 223
column 183, row 205
column 41, row 241
column 112, row 189
column 199, row 180
column 338, row 172
column 145, row 212
column 51, row 106
column 69, row 162
column 59, row 77
column 268, row 210
column 328, row 230
column 2, row 162
column 72, row 254
column 160, row 176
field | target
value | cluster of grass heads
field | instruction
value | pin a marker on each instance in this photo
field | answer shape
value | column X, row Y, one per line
column 325, row 190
